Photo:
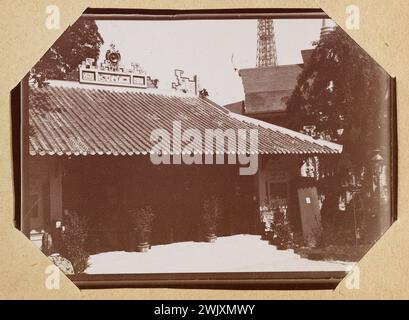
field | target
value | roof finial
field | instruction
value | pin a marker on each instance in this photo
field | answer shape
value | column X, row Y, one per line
column 325, row 29
column 185, row 84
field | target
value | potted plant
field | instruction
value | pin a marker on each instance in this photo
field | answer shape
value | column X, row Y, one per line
column 273, row 239
column 211, row 215
column 282, row 235
column 74, row 236
column 266, row 219
column 141, row 222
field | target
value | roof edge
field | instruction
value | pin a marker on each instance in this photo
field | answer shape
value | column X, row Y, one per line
column 300, row 65
column 335, row 146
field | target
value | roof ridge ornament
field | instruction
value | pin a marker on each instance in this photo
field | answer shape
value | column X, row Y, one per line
column 185, row 84
column 113, row 57
column 112, row 73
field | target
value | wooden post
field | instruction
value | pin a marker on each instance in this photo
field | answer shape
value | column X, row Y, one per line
column 55, row 180
column 24, row 134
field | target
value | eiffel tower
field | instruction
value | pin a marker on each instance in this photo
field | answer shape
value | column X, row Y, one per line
column 266, row 46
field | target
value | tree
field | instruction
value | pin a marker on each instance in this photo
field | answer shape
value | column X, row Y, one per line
column 344, row 93
column 80, row 41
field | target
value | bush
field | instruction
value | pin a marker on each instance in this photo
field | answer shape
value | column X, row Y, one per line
column 142, row 221
column 211, row 214
column 282, row 234
column 74, row 241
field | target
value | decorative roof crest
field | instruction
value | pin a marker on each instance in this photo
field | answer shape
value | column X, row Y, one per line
column 111, row 72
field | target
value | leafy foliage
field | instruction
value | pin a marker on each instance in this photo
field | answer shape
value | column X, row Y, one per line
column 74, row 242
column 142, row 219
column 81, row 40
column 343, row 90
column 282, row 232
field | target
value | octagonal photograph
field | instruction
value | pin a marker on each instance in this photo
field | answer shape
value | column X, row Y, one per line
column 211, row 147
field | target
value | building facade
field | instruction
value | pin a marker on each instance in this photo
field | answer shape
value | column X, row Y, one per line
column 89, row 150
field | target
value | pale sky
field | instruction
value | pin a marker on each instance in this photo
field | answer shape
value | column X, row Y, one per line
column 211, row 49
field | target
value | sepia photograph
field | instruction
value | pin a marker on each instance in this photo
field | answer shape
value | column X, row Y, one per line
column 227, row 147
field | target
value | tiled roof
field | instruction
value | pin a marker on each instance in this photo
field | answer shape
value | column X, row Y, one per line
column 268, row 79
column 81, row 120
column 306, row 55
column 235, row 107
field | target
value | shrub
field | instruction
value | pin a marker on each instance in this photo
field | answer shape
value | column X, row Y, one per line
column 142, row 221
column 73, row 246
column 282, row 230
